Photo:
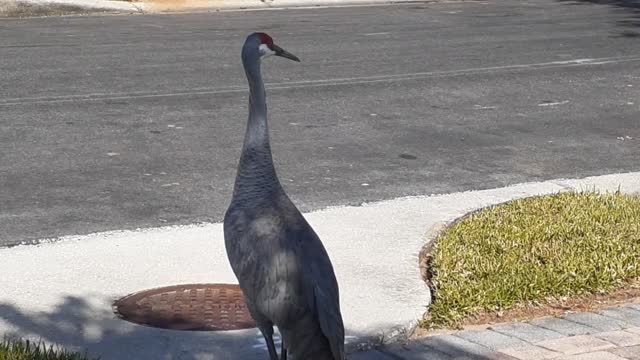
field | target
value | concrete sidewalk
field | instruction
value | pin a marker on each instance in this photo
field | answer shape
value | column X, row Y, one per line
column 61, row 291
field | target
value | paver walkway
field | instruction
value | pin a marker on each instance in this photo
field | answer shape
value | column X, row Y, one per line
column 610, row 334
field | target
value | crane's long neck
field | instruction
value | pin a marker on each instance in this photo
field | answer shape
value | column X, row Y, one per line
column 257, row 134
column 256, row 175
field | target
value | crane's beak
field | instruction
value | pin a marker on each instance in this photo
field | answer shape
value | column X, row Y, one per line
column 284, row 53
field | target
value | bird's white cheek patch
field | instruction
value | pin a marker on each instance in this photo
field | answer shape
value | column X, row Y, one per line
column 266, row 51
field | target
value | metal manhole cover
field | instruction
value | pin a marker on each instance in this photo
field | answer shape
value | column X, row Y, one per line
column 196, row 307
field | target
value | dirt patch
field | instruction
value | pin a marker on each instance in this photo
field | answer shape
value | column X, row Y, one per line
column 629, row 293
column 176, row 5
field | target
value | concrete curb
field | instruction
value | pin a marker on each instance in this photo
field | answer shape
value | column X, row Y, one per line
column 210, row 5
column 93, row 5
column 222, row 5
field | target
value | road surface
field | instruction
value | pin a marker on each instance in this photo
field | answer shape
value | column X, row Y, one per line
column 120, row 122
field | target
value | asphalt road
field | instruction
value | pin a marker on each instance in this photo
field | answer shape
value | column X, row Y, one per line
column 120, row 122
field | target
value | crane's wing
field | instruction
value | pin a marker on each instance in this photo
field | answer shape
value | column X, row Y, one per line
column 324, row 297
column 330, row 321
column 318, row 278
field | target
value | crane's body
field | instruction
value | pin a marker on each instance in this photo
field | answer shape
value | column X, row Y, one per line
column 282, row 266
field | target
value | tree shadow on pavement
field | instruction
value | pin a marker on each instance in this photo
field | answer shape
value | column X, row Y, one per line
column 628, row 10
column 87, row 325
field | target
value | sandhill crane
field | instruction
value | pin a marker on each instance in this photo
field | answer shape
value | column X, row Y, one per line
column 282, row 266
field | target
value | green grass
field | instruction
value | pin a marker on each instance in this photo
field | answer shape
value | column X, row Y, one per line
column 534, row 250
column 25, row 350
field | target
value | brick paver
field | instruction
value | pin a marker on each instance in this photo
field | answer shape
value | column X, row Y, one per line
column 627, row 352
column 490, row 339
column 576, row 344
column 526, row 332
column 620, row 337
column 563, row 326
column 599, row 355
column 370, row 355
column 597, row 321
column 416, row 353
column 634, row 306
column 624, row 314
column 530, row 352
column 455, row 346
column 611, row 334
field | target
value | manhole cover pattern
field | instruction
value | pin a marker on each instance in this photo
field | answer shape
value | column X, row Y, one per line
column 196, row 307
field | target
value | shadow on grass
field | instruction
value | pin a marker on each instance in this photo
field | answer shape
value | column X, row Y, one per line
column 628, row 10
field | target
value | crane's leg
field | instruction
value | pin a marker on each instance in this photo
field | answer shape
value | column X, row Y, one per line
column 267, row 332
column 283, row 351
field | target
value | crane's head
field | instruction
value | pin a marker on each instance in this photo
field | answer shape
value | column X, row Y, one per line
column 266, row 47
